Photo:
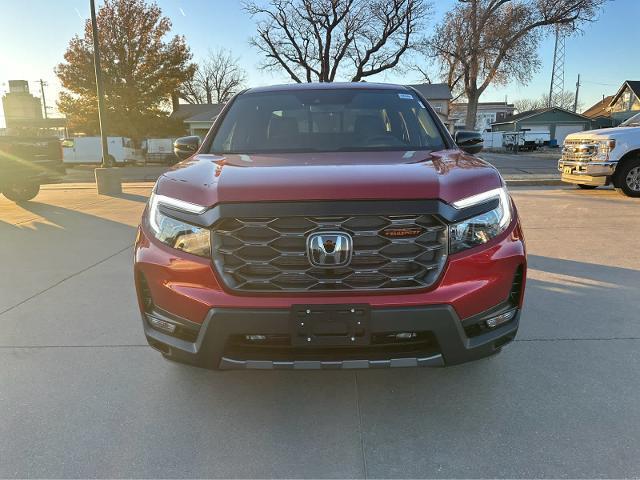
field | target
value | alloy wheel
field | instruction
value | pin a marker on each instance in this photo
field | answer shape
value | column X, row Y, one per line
column 633, row 179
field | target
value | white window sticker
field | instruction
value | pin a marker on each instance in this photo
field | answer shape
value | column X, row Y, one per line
column 405, row 96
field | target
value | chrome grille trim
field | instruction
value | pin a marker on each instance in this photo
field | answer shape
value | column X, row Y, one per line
column 579, row 150
column 268, row 254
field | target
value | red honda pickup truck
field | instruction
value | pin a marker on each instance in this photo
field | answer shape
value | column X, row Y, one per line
column 322, row 226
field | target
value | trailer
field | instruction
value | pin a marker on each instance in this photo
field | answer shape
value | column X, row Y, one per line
column 526, row 139
column 158, row 150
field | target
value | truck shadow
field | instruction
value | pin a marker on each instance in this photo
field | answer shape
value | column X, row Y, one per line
column 46, row 243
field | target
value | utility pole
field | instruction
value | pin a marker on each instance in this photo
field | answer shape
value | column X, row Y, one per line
column 575, row 101
column 107, row 179
column 44, row 101
column 99, row 86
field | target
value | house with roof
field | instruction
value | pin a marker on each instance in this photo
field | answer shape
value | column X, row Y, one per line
column 487, row 113
column 438, row 95
column 197, row 118
column 600, row 114
column 555, row 120
column 626, row 102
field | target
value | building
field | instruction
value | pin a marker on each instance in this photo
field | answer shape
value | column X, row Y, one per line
column 23, row 113
column 626, row 102
column 20, row 107
column 555, row 120
column 197, row 118
column 487, row 114
column 438, row 95
column 600, row 114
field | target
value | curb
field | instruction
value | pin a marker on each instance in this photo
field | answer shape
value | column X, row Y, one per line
column 92, row 185
column 534, row 182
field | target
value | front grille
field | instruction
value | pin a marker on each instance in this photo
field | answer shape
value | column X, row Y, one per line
column 579, row 150
column 269, row 254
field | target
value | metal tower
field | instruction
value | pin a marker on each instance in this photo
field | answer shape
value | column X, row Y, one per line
column 557, row 73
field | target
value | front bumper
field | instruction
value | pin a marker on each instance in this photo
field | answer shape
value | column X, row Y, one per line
column 586, row 173
column 473, row 284
column 452, row 341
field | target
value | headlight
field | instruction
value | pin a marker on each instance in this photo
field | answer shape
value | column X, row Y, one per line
column 604, row 149
column 482, row 228
column 176, row 233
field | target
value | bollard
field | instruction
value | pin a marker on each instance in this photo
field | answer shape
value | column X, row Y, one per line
column 108, row 181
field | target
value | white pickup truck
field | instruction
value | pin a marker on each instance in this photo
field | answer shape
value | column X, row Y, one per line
column 602, row 157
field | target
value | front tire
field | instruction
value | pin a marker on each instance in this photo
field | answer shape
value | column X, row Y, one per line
column 587, row 187
column 21, row 192
column 628, row 178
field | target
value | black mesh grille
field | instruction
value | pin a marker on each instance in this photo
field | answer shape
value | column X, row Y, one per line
column 269, row 254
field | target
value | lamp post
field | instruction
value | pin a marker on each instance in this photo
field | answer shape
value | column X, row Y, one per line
column 108, row 180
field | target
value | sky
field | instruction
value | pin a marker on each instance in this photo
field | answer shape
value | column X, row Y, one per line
column 34, row 35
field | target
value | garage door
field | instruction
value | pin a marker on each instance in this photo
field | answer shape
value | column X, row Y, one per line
column 563, row 130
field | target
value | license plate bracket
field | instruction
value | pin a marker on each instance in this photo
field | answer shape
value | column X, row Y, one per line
column 330, row 325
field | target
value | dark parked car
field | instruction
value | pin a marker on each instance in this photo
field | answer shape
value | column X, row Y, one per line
column 26, row 163
column 329, row 226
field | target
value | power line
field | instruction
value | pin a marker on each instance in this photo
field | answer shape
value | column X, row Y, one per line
column 600, row 83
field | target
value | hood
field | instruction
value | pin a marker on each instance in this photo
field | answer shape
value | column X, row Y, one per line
column 604, row 133
column 448, row 175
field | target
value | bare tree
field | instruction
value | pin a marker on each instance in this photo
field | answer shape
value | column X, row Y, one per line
column 321, row 40
column 566, row 100
column 216, row 79
column 484, row 42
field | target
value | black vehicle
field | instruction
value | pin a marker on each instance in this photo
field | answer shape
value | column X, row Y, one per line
column 28, row 162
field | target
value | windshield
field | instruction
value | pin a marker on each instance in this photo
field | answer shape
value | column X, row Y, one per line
column 632, row 122
column 327, row 121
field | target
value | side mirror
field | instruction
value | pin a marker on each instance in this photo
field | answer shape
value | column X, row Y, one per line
column 468, row 141
column 184, row 147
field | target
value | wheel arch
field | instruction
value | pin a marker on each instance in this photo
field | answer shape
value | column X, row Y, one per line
column 627, row 157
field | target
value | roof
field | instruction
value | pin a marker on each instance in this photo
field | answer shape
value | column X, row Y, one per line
column 634, row 85
column 188, row 110
column 433, row 91
column 204, row 116
column 599, row 109
column 327, row 86
column 536, row 112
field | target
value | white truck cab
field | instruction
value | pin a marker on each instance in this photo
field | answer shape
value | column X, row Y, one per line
column 602, row 157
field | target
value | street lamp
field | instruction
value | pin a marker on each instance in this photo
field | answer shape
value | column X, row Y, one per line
column 108, row 180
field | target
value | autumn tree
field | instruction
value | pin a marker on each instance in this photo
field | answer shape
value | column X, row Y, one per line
column 141, row 69
column 485, row 42
column 322, row 40
column 217, row 78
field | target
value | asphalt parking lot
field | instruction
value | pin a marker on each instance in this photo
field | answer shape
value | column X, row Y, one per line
column 81, row 394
